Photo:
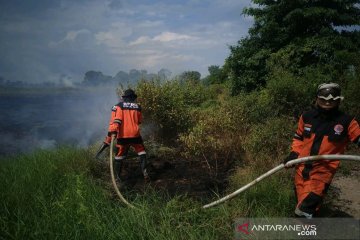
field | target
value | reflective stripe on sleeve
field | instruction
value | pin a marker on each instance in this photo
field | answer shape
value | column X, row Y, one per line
column 298, row 137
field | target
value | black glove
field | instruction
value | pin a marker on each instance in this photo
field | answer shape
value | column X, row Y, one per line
column 292, row 156
column 101, row 149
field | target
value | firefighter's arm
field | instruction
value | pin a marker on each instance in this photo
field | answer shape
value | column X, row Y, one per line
column 108, row 139
column 297, row 142
column 115, row 121
column 354, row 132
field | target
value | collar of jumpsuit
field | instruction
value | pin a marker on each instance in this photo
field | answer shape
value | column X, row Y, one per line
column 328, row 97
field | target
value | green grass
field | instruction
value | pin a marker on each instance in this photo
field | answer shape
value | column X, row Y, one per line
column 55, row 195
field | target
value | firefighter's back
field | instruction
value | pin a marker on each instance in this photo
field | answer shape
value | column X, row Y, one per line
column 131, row 113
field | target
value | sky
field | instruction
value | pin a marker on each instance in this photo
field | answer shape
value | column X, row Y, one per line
column 46, row 40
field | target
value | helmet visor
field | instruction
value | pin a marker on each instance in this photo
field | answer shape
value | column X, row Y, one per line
column 330, row 97
column 329, row 92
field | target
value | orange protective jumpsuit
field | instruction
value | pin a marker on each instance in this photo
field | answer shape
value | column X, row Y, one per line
column 319, row 134
column 124, row 122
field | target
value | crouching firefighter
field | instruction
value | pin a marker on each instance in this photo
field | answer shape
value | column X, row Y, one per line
column 124, row 126
column 322, row 130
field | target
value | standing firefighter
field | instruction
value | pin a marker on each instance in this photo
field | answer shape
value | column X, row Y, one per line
column 124, row 125
column 322, row 130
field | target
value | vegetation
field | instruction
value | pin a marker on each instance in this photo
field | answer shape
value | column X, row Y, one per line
column 297, row 36
column 242, row 115
column 55, row 195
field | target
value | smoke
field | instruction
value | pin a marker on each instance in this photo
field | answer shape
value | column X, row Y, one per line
column 45, row 120
column 12, row 144
column 47, row 144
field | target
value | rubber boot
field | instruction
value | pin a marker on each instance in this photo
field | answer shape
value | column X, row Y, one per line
column 143, row 165
column 117, row 169
column 301, row 214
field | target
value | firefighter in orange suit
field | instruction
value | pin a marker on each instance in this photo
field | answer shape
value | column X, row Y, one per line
column 124, row 125
column 322, row 130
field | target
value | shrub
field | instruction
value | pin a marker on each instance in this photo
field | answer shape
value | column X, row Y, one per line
column 292, row 94
column 256, row 106
column 215, row 137
column 351, row 92
column 168, row 104
column 269, row 141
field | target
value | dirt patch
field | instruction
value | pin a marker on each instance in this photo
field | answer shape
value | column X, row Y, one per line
column 196, row 180
column 177, row 177
column 343, row 199
column 347, row 188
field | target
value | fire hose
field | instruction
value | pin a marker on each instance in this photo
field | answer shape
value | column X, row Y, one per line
column 278, row 168
column 113, row 177
column 247, row 186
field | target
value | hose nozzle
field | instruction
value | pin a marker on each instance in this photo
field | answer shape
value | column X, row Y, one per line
column 101, row 149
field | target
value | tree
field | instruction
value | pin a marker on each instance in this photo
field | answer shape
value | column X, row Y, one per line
column 298, row 33
column 164, row 74
column 216, row 75
column 122, row 76
column 93, row 78
column 190, row 76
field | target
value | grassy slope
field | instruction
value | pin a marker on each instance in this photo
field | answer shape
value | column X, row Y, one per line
column 54, row 195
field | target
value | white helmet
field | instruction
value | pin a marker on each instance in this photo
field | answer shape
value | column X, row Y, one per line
column 329, row 91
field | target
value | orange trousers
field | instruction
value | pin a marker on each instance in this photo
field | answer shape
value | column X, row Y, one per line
column 311, row 187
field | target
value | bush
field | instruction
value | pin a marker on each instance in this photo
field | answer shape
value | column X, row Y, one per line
column 291, row 94
column 269, row 142
column 351, row 91
column 168, row 105
column 214, row 138
column 256, row 106
column 244, row 127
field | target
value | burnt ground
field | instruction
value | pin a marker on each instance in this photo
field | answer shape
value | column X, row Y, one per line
column 172, row 177
column 199, row 181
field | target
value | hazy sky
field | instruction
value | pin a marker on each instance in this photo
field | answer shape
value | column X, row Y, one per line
column 40, row 40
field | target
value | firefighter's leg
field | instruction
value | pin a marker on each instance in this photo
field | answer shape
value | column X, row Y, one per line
column 117, row 168
column 310, row 194
column 119, row 158
column 143, row 165
column 140, row 149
